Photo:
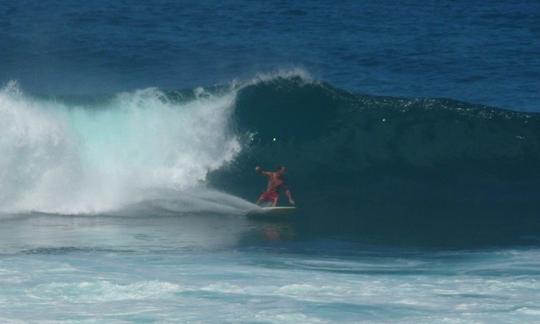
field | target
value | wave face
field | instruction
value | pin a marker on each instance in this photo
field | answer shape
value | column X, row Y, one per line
column 93, row 157
column 432, row 170
column 371, row 168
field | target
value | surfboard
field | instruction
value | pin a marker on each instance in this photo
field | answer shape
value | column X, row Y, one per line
column 271, row 211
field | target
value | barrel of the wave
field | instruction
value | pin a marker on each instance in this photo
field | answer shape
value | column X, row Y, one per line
column 447, row 166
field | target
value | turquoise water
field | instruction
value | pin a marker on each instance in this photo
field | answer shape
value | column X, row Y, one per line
column 202, row 269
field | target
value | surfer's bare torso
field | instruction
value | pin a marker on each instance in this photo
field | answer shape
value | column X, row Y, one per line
column 276, row 183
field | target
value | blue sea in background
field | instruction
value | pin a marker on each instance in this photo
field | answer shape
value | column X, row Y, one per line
column 476, row 51
column 129, row 133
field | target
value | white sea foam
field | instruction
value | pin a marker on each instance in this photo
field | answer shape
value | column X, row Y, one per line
column 64, row 158
column 72, row 159
column 246, row 287
column 103, row 291
column 298, row 73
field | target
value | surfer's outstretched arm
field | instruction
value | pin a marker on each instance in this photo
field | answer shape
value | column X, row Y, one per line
column 258, row 169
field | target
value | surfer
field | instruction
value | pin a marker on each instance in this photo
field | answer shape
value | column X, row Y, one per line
column 276, row 182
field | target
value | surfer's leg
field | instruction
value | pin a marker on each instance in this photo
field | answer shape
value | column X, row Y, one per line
column 261, row 198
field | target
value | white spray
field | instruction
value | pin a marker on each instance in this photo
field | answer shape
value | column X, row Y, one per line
column 69, row 159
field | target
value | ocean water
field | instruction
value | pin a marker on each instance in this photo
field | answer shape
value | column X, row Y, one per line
column 219, row 269
column 129, row 133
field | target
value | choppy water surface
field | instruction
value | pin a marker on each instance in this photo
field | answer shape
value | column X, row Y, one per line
column 114, row 269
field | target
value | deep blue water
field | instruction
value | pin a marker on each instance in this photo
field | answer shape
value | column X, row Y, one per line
column 129, row 132
column 478, row 51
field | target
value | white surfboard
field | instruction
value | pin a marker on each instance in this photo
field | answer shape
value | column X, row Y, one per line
column 271, row 211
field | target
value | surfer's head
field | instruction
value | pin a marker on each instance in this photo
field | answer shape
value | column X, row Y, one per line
column 281, row 170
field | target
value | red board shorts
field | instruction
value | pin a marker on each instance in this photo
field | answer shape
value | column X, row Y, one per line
column 270, row 195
